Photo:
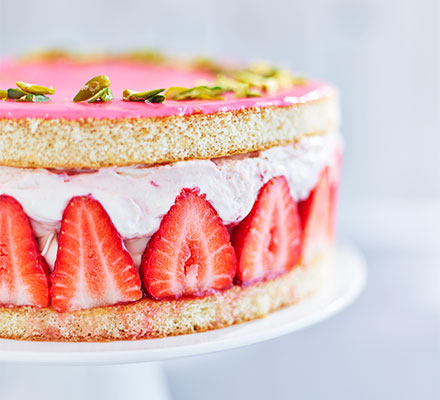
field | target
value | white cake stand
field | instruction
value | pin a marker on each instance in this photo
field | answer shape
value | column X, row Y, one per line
column 50, row 369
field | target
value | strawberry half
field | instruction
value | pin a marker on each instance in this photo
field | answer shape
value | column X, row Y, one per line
column 92, row 268
column 334, row 178
column 23, row 272
column 315, row 217
column 191, row 253
column 268, row 241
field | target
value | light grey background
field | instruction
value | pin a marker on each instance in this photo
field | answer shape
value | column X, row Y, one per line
column 384, row 56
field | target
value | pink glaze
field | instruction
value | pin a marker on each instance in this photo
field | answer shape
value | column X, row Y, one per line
column 68, row 78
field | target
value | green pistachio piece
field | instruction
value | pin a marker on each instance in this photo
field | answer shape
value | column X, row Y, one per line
column 240, row 89
column 16, row 94
column 27, row 98
column 250, row 78
column 262, row 68
column 174, row 91
column 107, row 96
column 40, row 98
column 207, row 64
column 103, row 95
column 283, row 78
column 34, row 98
column 3, row 94
column 299, row 80
column 48, row 55
column 247, row 92
column 201, row 93
column 92, row 88
column 230, row 84
column 35, row 89
column 156, row 99
column 271, row 85
column 128, row 95
column 146, row 55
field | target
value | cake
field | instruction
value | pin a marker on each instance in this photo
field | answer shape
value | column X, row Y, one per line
column 145, row 197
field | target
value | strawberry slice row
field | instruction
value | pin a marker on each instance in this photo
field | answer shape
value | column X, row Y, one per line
column 191, row 254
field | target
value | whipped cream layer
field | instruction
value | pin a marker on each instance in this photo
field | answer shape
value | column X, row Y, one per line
column 137, row 197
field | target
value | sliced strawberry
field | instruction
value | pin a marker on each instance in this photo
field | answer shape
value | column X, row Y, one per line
column 315, row 217
column 334, row 178
column 268, row 241
column 92, row 268
column 23, row 272
column 191, row 253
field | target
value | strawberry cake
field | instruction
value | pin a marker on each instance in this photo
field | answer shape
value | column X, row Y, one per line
column 144, row 197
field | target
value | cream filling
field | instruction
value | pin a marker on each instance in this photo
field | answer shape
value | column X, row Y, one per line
column 137, row 197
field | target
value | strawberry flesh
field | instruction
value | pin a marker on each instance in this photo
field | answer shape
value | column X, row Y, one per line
column 315, row 215
column 268, row 241
column 191, row 253
column 92, row 268
column 334, row 178
column 23, row 272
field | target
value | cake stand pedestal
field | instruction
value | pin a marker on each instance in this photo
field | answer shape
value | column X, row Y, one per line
column 49, row 370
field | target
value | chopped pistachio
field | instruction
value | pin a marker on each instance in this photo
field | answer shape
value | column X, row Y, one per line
column 283, row 78
column 264, row 76
column 250, row 78
column 34, row 98
column 28, row 98
column 247, row 92
column 146, row 55
column 230, row 84
column 16, row 94
column 92, row 88
column 103, row 95
column 198, row 93
column 299, row 80
column 156, row 99
column 240, row 89
column 128, row 95
column 268, row 84
column 40, row 98
column 262, row 68
column 48, row 55
column 35, row 89
column 3, row 94
column 207, row 64
column 174, row 91
column 271, row 85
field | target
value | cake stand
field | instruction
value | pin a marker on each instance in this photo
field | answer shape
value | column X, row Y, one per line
column 46, row 370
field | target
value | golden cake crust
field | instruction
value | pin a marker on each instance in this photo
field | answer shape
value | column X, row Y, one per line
column 149, row 318
column 95, row 143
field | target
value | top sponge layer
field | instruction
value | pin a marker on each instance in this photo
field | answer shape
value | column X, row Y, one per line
column 63, row 134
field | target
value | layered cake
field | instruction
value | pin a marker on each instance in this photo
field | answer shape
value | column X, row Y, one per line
column 145, row 197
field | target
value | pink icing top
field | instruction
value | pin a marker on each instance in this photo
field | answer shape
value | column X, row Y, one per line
column 68, row 77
